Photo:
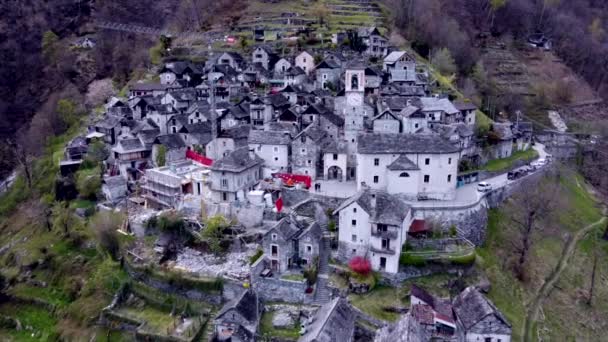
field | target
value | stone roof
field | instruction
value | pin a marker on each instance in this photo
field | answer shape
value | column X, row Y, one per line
column 294, row 71
column 109, row 121
column 464, row 105
column 313, row 132
column 171, row 141
column 246, row 304
column 387, row 143
column 236, row 132
column 131, row 144
column 151, row 87
column 334, row 321
column 269, row 137
column 395, row 56
column 237, row 161
column 277, row 100
column 403, row 163
column 437, row 104
column 387, row 209
column 471, row 307
column 327, row 65
column 287, row 227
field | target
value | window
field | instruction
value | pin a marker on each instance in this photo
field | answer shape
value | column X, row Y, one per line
column 274, row 250
column 416, row 126
column 450, row 161
column 276, row 158
column 303, row 139
column 224, row 183
column 324, row 76
column 382, row 227
column 354, row 239
column 488, row 339
column 353, row 222
column 427, row 178
column 386, row 244
column 258, row 56
column 376, row 161
column 335, row 156
column 224, row 196
column 174, row 129
column 303, row 151
column 376, row 179
column 354, row 210
column 259, row 147
column 382, row 263
column 427, row 161
column 312, row 118
column 276, row 149
column 304, row 60
column 449, row 178
column 274, row 237
column 308, row 249
column 309, row 162
column 404, row 174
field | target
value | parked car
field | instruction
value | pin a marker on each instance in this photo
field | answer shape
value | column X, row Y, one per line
column 539, row 163
column 484, row 187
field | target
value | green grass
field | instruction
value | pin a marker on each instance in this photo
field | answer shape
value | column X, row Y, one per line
column 583, row 206
column 497, row 165
column 49, row 294
column 293, row 276
column 267, row 330
column 157, row 321
column 40, row 319
column 374, row 302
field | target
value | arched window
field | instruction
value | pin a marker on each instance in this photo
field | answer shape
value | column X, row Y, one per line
column 354, row 82
column 404, row 174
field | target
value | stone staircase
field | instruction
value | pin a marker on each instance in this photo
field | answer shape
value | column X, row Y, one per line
column 323, row 294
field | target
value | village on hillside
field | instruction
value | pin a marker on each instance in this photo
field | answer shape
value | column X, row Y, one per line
column 297, row 177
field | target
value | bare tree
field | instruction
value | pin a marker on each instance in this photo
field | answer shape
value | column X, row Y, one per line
column 535, row 201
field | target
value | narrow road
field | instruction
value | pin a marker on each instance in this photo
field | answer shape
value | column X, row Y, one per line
column 544, row 290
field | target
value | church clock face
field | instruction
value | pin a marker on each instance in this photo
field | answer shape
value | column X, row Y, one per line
column 354, row 99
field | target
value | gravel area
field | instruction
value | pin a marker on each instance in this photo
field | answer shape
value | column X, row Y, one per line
column 233, row 265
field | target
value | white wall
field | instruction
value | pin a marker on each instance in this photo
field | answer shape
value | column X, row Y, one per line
column 411, row 125
column 276, row 158
column 306, row 62
column 440, row 166
column 167, row 78
column 328, row 161
column 472, row 337
column 362, row 228
column 386, row 126
column 403, row 185
column 218, row 147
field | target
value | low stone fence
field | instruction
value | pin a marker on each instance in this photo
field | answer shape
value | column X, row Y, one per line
column 439, row 249
column 275, row 289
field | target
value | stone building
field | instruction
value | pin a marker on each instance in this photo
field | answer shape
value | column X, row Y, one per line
column 265, row 56
column 327, row 75
column 333, row 322
column 374, row 224
column 415, row 165
column 306, row 62
column 174, row 148
column 306, row 151
column 238, row 320
column 274, row 147
column 478, row 318
column 234, row 175
column 377, row 44
column 291, row 244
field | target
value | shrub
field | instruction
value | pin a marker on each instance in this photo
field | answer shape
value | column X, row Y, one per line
column 360, row 265
column 331, row 226
column 88, row 183
column 463, row 260
column 453, row 231
column 256, row 256
column 408, row 259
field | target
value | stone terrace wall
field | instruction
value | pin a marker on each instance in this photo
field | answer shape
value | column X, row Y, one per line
column 278, row 290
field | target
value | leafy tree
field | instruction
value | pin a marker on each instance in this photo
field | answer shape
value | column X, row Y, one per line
column 63, row 217
column 161, row 155
column 355, row 42
column 171, row 222
column 321, row 12
column 97, row 152
column 49, row 45
column 105, row 225
column 243, row 43
column 214, row 233
column 444, row 62
column 67, row 111
column 165, row 42
column 88, row 183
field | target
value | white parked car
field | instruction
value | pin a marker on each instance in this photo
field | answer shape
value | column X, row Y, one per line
column 484, row 187
column 539, row 163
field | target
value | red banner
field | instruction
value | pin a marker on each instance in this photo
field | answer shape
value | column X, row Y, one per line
column 198, row 158
column 279, row 204
column 291, row 179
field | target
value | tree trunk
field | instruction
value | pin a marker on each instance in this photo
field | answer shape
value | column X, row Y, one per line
column 593, row 270
column 526, row 241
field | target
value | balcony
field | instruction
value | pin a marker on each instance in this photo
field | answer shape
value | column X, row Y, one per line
column 389, row 250
column 384, row 234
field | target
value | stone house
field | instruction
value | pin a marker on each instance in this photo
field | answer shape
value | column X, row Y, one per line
column 238, row 319
column 259, row 112
column 327, row 75
column 173, row 72
column 306, row 151
column 306, row 62
column 319, row 115
column 196, row 136
column 373, row 80
column 166, row 186
column 281, row 66
column 334, row 321
column 198, row 112
column 227, row 140
column 274, row 147
column 174, row 145
column 234, row 59
column 374, row 224
column 439, row 111
column 294, row 76
column 234, row 115
column 265, row 56
column 500, row 138
column 180, row 99
column 114, row 188
column 399, row 60
column 234, row 175
column 467, row 111
column 414, row 165
column 377, row 44
column 433, row 316
column 334, row 160
column 109, row 126
column 131, row 157
column 478, row 319
column 386, row 122
column 290, row 244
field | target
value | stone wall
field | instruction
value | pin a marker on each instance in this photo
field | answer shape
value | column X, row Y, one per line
column 470, row 221
column 278, row 290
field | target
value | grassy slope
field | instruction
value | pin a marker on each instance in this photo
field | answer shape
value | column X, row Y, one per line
column 564, row 307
